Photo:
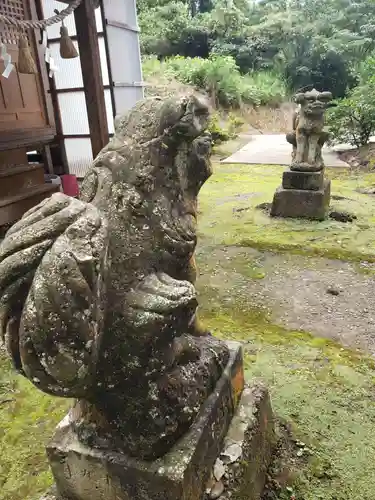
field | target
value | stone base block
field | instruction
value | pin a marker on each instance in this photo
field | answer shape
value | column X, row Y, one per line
column 300, row 203
column 83, row 473
column 242, row 466
column 312, row 181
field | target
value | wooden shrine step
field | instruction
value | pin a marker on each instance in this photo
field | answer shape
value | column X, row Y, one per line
column 13, row 207
column 19, row 177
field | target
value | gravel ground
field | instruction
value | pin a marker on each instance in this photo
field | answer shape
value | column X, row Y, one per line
column 327, row 298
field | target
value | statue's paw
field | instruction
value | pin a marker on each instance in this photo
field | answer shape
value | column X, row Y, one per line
column 162, row 299
column 180, row 238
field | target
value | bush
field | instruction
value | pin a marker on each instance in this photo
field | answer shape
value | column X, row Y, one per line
column 151, row 67
column 218, row 132
column 366, row 70
column 224, row 130
column 270, row 87
column 353, row 119
column 253, row 53
column 220, row 77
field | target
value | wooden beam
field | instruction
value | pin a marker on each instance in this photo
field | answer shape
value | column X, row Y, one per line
column 95, row 2
column 52, row 94
column 92, row 74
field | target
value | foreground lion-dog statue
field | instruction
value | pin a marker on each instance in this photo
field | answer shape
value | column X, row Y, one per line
column 97, row 295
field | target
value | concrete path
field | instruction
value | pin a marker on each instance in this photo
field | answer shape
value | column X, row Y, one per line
column 274, row 150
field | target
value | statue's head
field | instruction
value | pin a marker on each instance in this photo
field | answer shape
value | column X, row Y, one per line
column 168, row 135
column 313, row 103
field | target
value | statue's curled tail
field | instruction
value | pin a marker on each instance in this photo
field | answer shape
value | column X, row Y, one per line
column 51, row 287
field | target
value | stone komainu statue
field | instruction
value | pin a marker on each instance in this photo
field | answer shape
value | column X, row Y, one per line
column 97, row 295
column 309, row 136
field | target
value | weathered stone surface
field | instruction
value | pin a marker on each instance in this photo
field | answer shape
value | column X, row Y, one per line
column 252, row 429
column 85, row 473
column 302, row 203
column 309, row 136
column 51, row 495
column 97, row 296
column 312, row 181
column 217, row 490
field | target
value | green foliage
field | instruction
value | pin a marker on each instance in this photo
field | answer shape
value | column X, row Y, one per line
column 366, row 70
column 270, row 87
column 152, row 67
column 219, row 132
column 353, row 119
column 316, row 43
column 224, row 130
column 169, row 30
column 220, row 77
column 318, row 66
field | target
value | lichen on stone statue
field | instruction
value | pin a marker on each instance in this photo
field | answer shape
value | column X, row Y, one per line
column 97, row 295
column 309, row 135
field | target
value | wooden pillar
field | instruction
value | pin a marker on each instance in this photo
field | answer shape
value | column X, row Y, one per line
column 87, row 38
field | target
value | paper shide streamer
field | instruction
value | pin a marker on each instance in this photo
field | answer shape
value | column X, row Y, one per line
column 7, row 58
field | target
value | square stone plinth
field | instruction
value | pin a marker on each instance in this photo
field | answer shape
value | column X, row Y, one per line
column 312, row 181
column 300, row 203
column 83, row 473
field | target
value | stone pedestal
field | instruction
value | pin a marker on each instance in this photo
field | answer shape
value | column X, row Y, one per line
column 83, row 473
column 247, row 449
column 311, row 181
column 239, row 471
column 302, row 195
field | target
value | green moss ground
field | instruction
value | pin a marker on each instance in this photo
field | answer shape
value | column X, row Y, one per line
column 27, row 420
column 324, row 391
column 243, row 187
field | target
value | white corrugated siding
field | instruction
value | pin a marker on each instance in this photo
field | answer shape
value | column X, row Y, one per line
column 124, row 53
column 79, row 154
column 72, row 103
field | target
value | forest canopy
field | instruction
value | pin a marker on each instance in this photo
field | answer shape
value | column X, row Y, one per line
column 321, row 43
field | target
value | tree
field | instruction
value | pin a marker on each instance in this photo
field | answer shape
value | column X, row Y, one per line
column 311, row 42
column 353, row 119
